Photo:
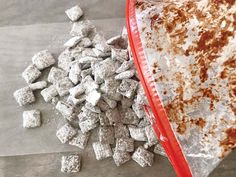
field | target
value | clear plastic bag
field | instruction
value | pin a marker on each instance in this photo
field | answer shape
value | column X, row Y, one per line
column 185, row 54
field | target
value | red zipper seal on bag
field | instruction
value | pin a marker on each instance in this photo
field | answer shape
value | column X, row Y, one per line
column 160, row 122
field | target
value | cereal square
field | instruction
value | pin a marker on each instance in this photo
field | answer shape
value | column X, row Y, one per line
column 31, row 119
column 121, row 131
column 113, row 115
column 82, row 28
column 143, row 157
column 128, row 87
column 55, row 75
column 70, row 163
column 121, row 157
column 125, row 144
column 64, row 86
column 137, row 133
column 49, row 93
column 65, row 133
column 106, row 135
column 128, row 116
column 24, row 96
column 74, row 13
column 80, row 140
column 151, row 136
column 43, row 59
column 101, row 150
column 93, row 97
column 66, row 110
column 31, row 73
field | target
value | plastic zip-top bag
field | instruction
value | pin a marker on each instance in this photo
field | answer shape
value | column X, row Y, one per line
column 185, row 54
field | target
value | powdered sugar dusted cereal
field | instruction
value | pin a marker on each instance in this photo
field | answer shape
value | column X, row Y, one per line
column 118, row 42
column 85, row 42
column 76, row 100
column 124, row 66
column 125, row 75
column 106, row 68
column 113, row 40
column 103, row 105
column 88, row 59
column 113, row 115
column 88, row 124
column 65, row 109
column 56, row 74
column 158, row 149
column 151, row 136
column 128, row 116
column 65, row 59
column 144, row 122
column 121, row 157
column 88, row 52
column 92, row 108
column 77, row 90
column 65, row 133
column 99, row 53
column 73, row 41
column 86, row 72
column 31, row 73
column 74, row 73
column 76, row 52
column 49, row 93
column 128, row 87
column 121, row 131
column 138, row 109
column 82, row 28
column 24, row 96
column 101, row 150
column 74, row 13
column 64, row 86
column 119, row 54
column 93, row 97
column 54, row 100
column 143, row 157
column 103, row 47
column 141, row 97
column 125, row 144
column 137, row 133
column 112, row 103
column 98, row 38
column 126, row 102
column 94, row 86
column 31, row 119
column 89, row 84
column 43, row 59
column 88, row 114
column 70, row 163
column 38, row 85
column 110, row 88
column 80, row 140
column 97, row 78
column 104, row 121
column 106, row 135
column 86, row 66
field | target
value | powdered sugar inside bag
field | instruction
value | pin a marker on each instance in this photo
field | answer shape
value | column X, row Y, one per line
column 186, row 54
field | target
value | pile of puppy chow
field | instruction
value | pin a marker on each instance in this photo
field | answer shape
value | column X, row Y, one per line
column 93, row 84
